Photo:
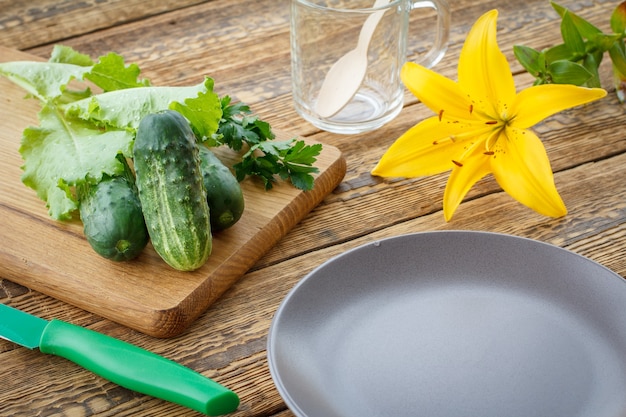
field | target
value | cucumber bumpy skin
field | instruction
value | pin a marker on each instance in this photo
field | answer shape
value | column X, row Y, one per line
column 224, row 195
column 112, row 218
column 171, row 190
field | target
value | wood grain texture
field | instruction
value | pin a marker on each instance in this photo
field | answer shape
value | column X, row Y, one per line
column 244, row 46
column 143, row 294
column 27, row 24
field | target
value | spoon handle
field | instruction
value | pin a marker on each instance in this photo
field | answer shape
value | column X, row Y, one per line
column 367, row 31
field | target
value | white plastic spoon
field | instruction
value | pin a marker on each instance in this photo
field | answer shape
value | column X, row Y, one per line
column 346, row 75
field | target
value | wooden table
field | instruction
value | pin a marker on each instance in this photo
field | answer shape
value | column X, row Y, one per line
column 244, row 46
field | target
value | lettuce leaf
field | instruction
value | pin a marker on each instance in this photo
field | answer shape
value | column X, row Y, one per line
column 204, row 112
column 125, row 108
column 61, row 153
column 111, row 73
column 44, row 80
column 67, row 55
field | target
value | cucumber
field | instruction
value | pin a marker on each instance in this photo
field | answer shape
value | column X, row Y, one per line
column 112, row 218
column 224, row 194
column 171, row 191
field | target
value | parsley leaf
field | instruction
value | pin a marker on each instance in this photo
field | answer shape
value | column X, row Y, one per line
column 290, row 160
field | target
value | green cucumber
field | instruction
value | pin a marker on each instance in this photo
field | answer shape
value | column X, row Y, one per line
column 224, row 195
column 112, row 218
column 171, row 191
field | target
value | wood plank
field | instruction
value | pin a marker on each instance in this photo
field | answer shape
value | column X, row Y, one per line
column 36, row 22
column 144, row 294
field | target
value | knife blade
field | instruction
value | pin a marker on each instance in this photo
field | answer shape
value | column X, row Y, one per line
column 122, row 363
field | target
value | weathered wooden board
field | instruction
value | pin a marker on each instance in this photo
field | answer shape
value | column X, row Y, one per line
column 27, row 24
column 146, row 294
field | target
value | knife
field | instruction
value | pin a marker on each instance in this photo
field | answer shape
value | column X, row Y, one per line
column 127, row 365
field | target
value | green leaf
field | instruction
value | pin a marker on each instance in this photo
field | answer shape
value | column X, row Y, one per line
column 567, row 72
column 70, row 96
column 66, row 55
column 572, row 38
column 300, row 157
column 301, row 181
column 203, row 112
column 277, row 148
column 263, row 129
column 530, row 59
column 619, row 81
column 290, row 160
column 558, row 53
column 586, row 29
column 61, row 153
column 239, row 126
column 263, row 167
column 111, row 74
column 591, row 64
column 44, row 80
column 265, row 159
column 618, row 19
column 602, row 42
column 618, row 56
column 124, row 109
column 296, row 159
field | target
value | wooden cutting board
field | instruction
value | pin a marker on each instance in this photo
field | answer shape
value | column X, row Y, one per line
column 145, row 294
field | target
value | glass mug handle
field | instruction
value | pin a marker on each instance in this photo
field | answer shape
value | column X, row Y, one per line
column 438, row 50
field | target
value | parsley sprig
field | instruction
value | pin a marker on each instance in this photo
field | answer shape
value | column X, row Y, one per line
column 264, row 158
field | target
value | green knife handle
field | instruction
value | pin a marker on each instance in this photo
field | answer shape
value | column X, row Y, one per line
column 137, row 369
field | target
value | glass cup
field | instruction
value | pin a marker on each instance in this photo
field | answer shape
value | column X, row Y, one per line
column 365, row 90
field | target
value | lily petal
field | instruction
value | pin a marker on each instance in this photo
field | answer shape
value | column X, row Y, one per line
column 437, row 92
column 462, row 179
column 483, row 69
column 536, row 103
column 522, row 168
column 427, row 148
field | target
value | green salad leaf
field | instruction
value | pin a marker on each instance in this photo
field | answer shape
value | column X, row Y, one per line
column 111, row 73
column 44, row 80
column 125, row 108
column 198, row 109
column 62, row 152
column 67, row 55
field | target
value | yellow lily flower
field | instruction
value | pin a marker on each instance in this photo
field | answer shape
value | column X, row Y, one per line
column 481, row 127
